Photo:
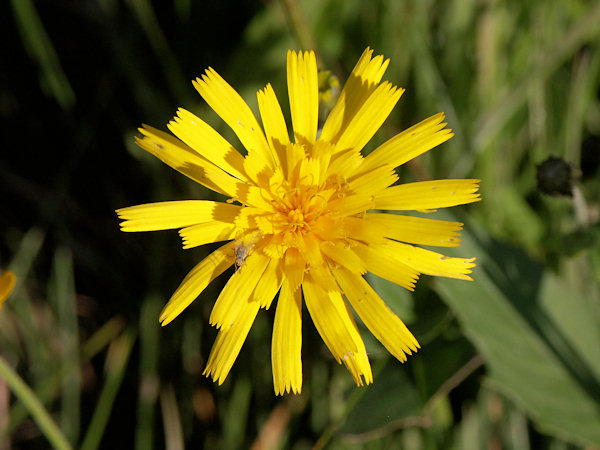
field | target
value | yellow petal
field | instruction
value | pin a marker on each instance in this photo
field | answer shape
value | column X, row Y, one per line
column 343, row 256
column 237, row 291
column 207, row 142
column 409, row 144
column 293, row 268
column 329, row 229
column 310, row 169
column 176, row 214
column 184, row 159
column 273, row 123
column 254, row 196
column 295, row 154
column 263, row 222
column 351, row 204
column 367, row 231
column 386, row 266
column 303, row 90
column 286, row 345
column 246, row 219
column 196, row 281
column 7, row 284
column 376, row 315
column 373, row 181
column 322, row 152
column 208, row 232
column 228, row 104
column 229, row 342
column 428, row 195
column 269, row 283
column 336, row 326
column 369, row 117
column 345, row 162
column 310, row 249
column 417, row 230
column 360, row 84
column 426, row 261
column 257, row 169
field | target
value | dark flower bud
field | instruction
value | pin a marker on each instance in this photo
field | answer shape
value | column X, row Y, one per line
column 555, row 176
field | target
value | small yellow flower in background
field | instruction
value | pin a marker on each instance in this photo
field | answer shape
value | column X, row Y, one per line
column 301, row 219
column 7, row 284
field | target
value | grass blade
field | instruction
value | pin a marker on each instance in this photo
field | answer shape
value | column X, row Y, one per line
column 34, row 406
column 62, row 295
column 116, row 365
column 40, row 48
column 149, row 380
column 171, row 420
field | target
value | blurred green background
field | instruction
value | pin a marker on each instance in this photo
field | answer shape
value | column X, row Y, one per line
column 511, row 360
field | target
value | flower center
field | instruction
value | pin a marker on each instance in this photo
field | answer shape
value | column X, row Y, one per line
column 296, row 218
column 298, row 209
column 301, row 208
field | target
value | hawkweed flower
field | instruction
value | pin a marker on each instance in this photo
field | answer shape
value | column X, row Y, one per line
column 7, row 284
column 302, row 216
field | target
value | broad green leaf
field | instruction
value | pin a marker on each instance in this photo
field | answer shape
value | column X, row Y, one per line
column 539, row 337
column 391, row 398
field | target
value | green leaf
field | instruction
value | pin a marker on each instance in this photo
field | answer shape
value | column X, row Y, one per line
column 391, row 399
column 538, row 335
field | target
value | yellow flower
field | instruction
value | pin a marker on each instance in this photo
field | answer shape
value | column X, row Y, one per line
column 301, row 216
column 7, row 284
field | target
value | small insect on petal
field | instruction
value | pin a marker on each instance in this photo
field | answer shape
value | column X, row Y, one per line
column 241, row 253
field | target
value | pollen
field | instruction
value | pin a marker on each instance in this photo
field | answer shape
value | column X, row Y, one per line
column 296, row 218
column 300, row 210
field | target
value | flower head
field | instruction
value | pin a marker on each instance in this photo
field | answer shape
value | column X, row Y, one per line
column 301, row 219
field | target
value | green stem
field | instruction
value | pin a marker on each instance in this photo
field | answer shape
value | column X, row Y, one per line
column 35, row 407
column 297, row 21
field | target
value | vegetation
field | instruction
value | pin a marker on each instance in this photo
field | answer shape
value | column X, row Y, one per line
column 511, row 360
